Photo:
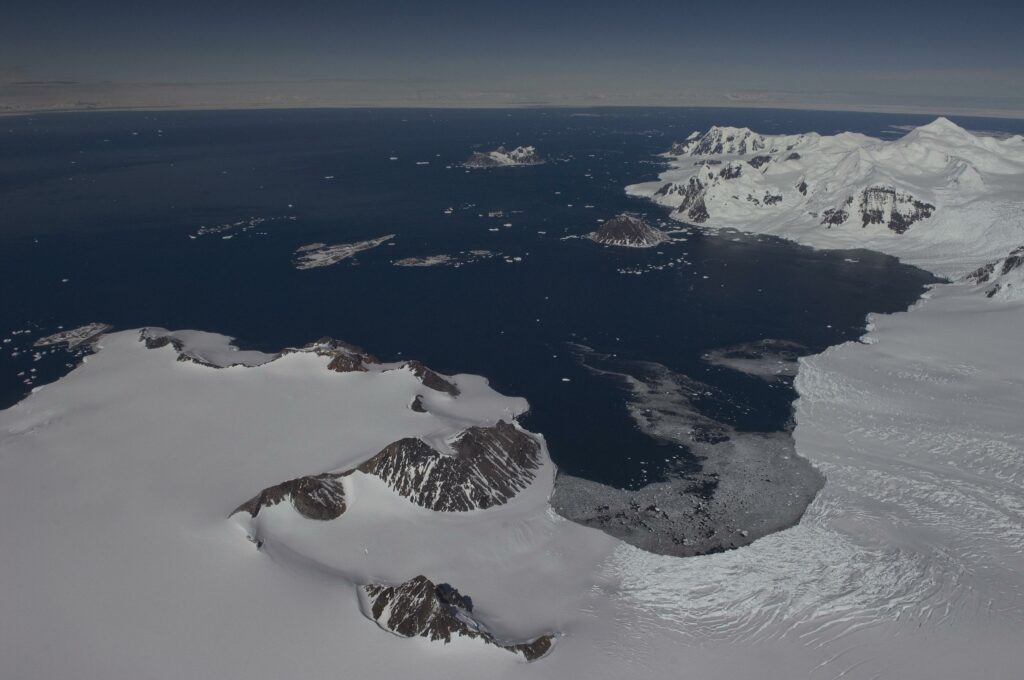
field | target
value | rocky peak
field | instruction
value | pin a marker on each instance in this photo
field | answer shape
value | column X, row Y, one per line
column 628, row 230
column 431, row 379
column 345, row 357
column 488, row 467
column 320, row 497
column 419, row 608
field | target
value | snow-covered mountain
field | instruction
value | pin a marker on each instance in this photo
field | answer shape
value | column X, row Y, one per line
column 939, row 192
column 629, row 231
column 502, row 157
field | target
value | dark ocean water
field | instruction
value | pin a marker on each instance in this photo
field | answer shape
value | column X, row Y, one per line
column 96, row 212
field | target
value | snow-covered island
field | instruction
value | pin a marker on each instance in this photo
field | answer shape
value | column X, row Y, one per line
column 504, row 158
column 315, row 255
column 629, row 231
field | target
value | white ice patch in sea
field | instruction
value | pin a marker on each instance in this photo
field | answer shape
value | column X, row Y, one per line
column 74, row 337
column 229, row 229
column 456, row 260
column 313, row 255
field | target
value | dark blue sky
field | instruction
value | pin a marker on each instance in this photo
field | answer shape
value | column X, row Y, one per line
column 865, row 54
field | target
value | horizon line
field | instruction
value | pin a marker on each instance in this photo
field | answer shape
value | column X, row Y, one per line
column 999, row 114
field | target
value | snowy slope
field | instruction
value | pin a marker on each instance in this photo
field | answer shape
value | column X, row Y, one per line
column 121, row 557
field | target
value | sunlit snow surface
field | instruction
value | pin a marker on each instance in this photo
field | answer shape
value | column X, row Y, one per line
column 119, row 560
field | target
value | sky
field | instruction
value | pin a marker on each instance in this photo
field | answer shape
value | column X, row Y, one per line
column 936, row 57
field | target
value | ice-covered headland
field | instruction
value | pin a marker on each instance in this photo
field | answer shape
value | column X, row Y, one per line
column 940, row 197
column 175, row 507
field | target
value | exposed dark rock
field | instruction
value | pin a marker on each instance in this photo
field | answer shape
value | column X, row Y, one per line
column 731, row 171
column 431, row 379
column 834, row 216
column 320, row 497
column 534, row 650
column 691, row 202
column 698, row 212
column 156, row 342
column 490, row 465
column 903, row 209
column 994, row 271
column 418, row 608
column 345, row 357
column 628, row 230
column 417, row 404
column 802, row 187
column 793, row 156
column 771, row 199
column 758, row 161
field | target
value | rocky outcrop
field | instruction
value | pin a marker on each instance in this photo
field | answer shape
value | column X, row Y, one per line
column 488, row 467
column 896, row 210
column 758, row 161
column 1005, row 277
column 345, row 357
column 688, row 199
column 419, row 608
column 731, row 171
column 834, row 217
column 431, row 379
column 629, row 231
column 320, row 497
